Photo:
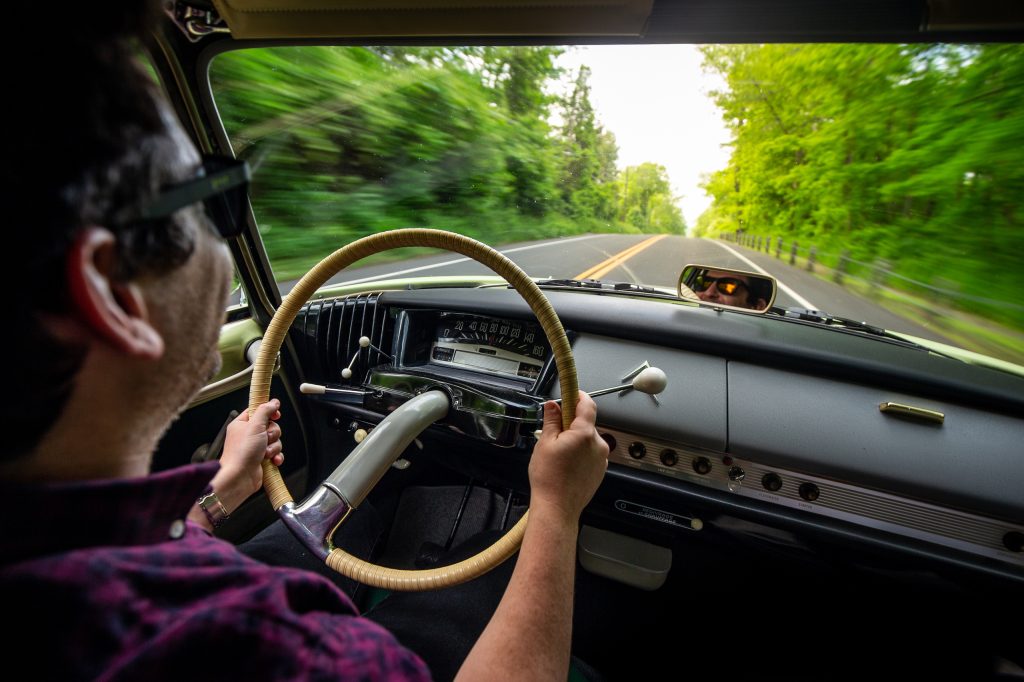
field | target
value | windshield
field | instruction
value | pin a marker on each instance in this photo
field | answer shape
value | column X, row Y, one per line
column 876, row 182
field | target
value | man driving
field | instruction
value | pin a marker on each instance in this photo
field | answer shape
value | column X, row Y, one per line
column 111, row 569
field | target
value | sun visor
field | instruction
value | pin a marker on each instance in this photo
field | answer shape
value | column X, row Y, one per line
column 262, row 19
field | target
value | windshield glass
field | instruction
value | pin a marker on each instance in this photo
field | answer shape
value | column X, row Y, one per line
column 876, row 182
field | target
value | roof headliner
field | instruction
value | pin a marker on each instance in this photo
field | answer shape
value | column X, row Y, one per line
column 654, row 21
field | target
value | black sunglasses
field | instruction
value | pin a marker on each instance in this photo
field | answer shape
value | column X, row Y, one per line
column 726, row 285
column 222, row 186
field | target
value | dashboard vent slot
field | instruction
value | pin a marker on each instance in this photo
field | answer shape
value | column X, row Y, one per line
column 327, row 333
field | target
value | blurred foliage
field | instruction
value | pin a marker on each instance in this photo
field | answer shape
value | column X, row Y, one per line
column 907, row 153
column 646, row 199
column 348, row 141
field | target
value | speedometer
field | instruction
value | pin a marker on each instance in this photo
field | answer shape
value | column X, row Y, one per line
column 490, row 345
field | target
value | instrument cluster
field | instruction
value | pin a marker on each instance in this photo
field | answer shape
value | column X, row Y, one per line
column 488, row 344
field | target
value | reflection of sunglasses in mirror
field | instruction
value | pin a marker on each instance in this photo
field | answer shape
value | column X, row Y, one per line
column 726, row 285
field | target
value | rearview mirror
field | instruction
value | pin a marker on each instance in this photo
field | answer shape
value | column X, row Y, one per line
column 726, row 288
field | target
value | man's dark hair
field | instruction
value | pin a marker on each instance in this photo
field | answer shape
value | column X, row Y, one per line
column 92, row 139
column 759, row 287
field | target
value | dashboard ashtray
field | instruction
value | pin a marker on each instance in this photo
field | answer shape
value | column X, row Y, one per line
column 622, row 558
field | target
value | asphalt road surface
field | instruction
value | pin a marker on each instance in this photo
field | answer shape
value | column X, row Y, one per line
column 654, row 260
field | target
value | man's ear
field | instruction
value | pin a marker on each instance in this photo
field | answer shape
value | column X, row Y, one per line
column 114, row 311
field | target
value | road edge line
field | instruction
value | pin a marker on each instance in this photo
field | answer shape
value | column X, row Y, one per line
column 789, row 290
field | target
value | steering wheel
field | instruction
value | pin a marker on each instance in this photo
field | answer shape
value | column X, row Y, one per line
column 314, row 520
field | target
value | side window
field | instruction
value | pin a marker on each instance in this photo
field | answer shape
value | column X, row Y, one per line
column 147, row 64
column 238, row 302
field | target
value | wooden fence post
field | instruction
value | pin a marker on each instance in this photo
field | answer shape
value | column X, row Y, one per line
column 792, row 254
column 811, row 257
column 879, row 275
column 841, row 267
column 778, row 248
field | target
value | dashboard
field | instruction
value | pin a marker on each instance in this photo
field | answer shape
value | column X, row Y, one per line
column 768, row 420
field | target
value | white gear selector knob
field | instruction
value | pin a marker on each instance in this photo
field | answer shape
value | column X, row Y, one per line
column 652, row 380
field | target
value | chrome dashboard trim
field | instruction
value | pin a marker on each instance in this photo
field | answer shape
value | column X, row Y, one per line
column 501, row 416
column 871, row 508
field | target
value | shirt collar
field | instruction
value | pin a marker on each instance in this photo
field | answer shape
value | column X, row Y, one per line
column 56, row 517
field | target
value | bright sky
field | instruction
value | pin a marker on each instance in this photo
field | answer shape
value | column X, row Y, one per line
column 654, row 98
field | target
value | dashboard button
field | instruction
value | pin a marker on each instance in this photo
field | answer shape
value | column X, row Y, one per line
column 669, row 458
column 809, row 491
column 772, row 482
column 737, row 474
column 637, row 450
column 702, row 465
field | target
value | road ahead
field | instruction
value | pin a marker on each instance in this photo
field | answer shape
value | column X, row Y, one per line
column 654, row 260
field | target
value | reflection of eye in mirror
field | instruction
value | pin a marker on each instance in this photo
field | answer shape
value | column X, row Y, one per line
column 727, row 288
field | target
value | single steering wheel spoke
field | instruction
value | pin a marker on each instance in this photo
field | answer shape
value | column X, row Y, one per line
column 370, row 460
column 314, row 519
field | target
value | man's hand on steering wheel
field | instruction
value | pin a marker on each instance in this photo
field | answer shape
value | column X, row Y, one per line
column 249, row 441
column 567, row 466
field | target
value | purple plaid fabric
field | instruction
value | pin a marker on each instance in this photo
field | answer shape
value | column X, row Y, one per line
column 95, row 586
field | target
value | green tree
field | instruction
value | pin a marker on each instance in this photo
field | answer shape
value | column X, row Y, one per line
column 517, row 76
column 646, row 199
column 908, row 153
column 588, row 156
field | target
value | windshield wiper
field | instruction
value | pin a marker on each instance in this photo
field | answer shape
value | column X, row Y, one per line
column 599, row 284
column 629, row 286
column 826, row 318
column 851, row 324
column 577, row 283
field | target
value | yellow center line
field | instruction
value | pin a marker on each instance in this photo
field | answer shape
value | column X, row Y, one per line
column 604, row 267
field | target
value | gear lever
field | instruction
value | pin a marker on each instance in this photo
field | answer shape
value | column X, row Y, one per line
column 651, row 381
